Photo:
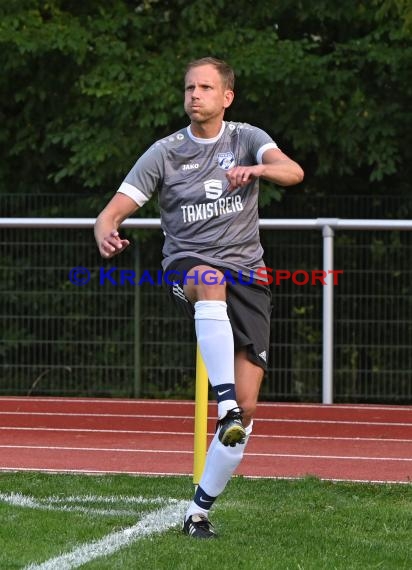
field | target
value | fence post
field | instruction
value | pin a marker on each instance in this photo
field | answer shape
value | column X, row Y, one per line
column 137, row 379
column 327, row 368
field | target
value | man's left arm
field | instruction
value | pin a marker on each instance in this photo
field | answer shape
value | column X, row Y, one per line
column 276, row 167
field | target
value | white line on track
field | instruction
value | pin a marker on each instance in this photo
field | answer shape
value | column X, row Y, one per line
column 332, row 422
column 164, row 417
column 331, row 438
column 179, row 452
column 104, row 401
column 98, row 415
column 173, row 403
column 190, row 434
column 173, row 474
column 15, row 469
column 88, row 430
column 336, row 406
column 333, row 457
column 98, row 449
column 154, row 523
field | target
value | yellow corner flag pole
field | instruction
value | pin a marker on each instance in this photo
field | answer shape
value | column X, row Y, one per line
column 201, row 412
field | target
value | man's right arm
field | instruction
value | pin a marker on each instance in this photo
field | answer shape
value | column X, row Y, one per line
column 107, row 223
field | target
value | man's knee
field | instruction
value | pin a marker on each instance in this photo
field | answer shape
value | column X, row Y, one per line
column 204, row 283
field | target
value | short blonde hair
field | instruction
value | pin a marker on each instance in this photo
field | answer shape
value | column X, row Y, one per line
column 226, row 72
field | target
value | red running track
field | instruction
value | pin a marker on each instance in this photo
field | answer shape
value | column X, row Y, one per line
column 337, row 442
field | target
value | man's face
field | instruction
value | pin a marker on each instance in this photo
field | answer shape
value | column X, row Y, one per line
column 205, row 95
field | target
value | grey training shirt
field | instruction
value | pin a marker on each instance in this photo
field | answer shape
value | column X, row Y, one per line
column 200, row 217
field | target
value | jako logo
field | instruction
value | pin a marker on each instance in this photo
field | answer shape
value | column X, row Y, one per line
column 194, row 166
column 213, row 189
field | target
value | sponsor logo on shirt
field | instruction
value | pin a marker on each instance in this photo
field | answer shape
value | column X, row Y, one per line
column 220, row 207
column 213, row 189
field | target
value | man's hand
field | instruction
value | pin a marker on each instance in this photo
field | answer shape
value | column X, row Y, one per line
column 112, row 245
column 107, row 237
column 240, row 176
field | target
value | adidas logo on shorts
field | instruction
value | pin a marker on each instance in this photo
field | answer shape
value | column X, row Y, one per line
column 178, row 291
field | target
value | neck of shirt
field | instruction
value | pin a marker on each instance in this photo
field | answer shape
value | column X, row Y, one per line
column 203, row 140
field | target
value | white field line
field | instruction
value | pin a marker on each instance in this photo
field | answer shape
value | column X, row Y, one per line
column 191, row 418
column 108, row 499
column 154, row 523
column 67, row 504
column 190, row 434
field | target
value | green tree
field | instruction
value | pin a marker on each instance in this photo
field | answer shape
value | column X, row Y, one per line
column 88, row 86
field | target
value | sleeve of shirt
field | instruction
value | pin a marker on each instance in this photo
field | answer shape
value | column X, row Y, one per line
column 259, row 142
column 144, row 177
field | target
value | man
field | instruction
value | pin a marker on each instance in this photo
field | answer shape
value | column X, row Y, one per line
column 207, row 177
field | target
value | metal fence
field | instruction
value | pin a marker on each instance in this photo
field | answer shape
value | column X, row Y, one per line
column 123, row 340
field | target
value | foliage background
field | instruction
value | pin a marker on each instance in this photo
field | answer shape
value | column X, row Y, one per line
column 87, row 86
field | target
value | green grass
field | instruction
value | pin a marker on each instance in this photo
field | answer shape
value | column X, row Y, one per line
column 263, row 524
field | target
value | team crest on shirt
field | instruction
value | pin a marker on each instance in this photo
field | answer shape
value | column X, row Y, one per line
column 226, row 160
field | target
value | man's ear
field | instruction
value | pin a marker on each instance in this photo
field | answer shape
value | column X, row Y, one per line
column 228, row 98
